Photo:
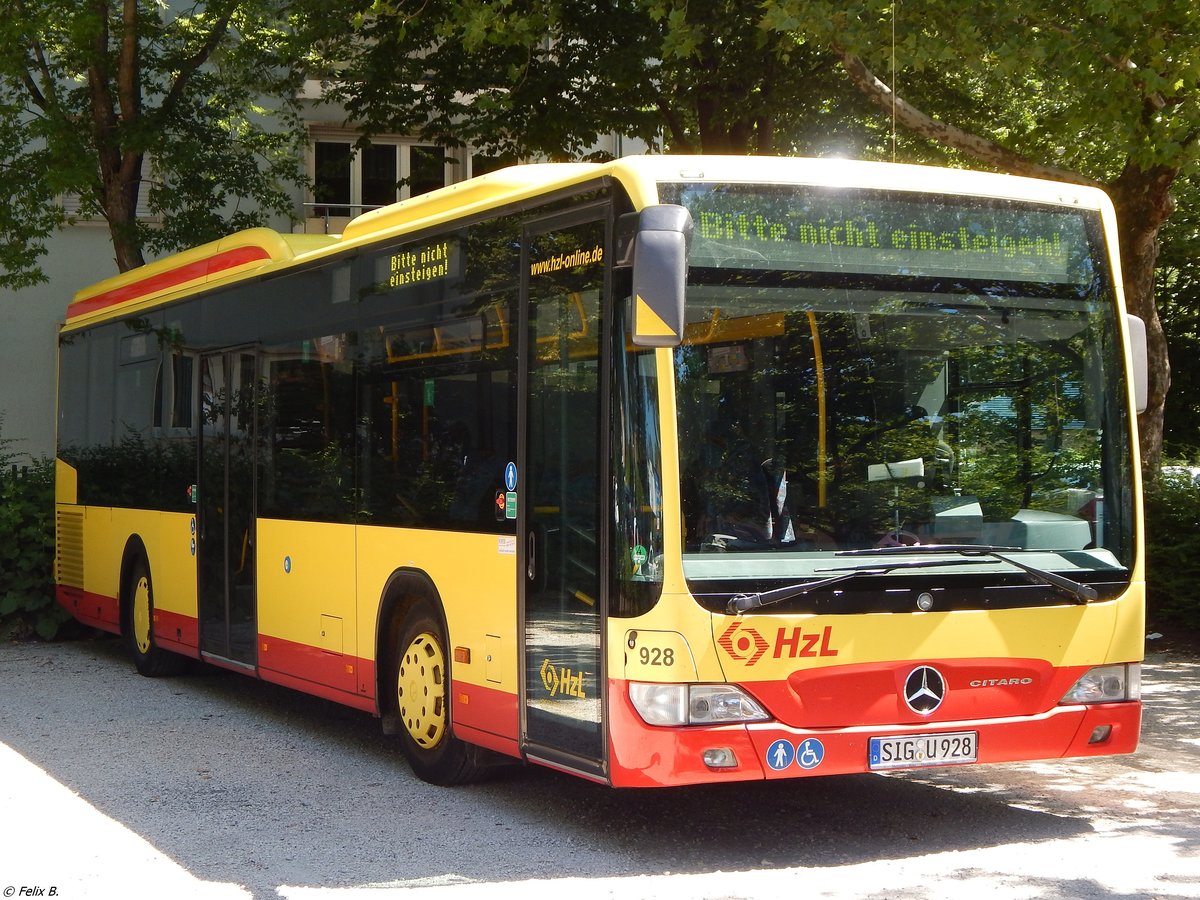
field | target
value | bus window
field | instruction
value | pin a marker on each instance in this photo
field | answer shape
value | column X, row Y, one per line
column 437, row 381
column 308, row 431
column 637, row 555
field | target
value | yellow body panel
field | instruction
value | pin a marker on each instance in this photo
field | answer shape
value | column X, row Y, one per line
column 66, row 483
column 305, row 574
column 95, row 548
column 1129, row 635
column 673, row 615
column 455, row 200
column 476, row 577
column 102, row 549
column 775, row 645
column 168, row 541
column 657, row 656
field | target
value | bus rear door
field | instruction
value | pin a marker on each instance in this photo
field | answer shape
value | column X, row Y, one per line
column 226, row 506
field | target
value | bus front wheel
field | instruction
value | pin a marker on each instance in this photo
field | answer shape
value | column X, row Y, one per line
column 421, row 698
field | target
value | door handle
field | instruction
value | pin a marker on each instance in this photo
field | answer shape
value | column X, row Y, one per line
column 531, row 556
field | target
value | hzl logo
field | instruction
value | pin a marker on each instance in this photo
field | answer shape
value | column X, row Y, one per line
column 745, row 644
column 562, row 681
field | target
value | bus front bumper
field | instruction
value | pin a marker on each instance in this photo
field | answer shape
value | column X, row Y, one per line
column 648, row 756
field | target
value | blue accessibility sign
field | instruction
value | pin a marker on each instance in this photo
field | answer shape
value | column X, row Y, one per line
column 510, row 476
column 809, row 753
column 780, row 755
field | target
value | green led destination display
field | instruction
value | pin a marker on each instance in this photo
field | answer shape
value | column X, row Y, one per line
column 415, row 264
column 767, row 227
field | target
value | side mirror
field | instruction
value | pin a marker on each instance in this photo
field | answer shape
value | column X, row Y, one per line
column 1140, row 362
column 660, row 254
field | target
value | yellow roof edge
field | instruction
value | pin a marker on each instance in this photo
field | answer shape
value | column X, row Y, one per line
column 243, row 251
column 260, row 248
column 502, row 185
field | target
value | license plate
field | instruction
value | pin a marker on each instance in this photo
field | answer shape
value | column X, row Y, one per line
column 910, row 751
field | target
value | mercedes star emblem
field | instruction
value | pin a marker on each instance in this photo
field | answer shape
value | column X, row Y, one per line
column 924, row 690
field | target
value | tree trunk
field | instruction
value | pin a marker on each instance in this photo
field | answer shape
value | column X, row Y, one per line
column 122, row 185
column 120, row 169
column 1143, row 201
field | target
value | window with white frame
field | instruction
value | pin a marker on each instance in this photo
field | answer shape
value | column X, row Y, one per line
column 349, row 180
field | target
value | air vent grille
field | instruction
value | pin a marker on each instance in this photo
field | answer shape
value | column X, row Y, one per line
column 70, row 548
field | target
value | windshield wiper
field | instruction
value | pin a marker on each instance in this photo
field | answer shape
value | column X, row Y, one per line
column 1077, row 591
column 741, row 603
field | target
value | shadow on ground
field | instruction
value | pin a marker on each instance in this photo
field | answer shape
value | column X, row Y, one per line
column 241, row 781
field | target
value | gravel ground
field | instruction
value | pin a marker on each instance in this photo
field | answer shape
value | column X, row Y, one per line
column 214, row 785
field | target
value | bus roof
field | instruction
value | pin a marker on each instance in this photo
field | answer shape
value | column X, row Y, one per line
column 186, row 272
column 259, row 250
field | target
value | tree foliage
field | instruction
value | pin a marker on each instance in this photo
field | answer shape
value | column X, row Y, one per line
column 27, row 604
column 1090, row 91
column 549, row 77
column 1172, row 550
column 90, row 91
column 1177, row 281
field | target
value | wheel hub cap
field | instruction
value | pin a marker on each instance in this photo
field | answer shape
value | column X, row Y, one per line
column 421, row 690
column 141, row 615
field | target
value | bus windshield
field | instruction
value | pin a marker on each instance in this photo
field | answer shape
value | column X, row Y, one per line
column 867, row 370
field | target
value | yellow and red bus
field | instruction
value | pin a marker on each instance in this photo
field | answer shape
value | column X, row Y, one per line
column 661, row 471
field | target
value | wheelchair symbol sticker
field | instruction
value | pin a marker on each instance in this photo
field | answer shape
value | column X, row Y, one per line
column 780, row 755
column 810, row 753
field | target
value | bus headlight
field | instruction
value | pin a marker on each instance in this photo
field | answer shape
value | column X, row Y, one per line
column 694, row 704
column 1106, row 684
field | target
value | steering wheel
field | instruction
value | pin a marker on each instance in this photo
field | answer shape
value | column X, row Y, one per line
column 943, row 455
column 898, row 539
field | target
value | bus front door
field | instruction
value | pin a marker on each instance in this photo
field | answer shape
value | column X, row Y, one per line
column 560, row 484
column 225, row 550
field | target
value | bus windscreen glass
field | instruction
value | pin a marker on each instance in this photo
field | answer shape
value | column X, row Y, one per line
column 866, row 370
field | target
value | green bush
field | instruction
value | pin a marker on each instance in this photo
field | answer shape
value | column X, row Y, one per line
column 1173, row 551
column 27, row 604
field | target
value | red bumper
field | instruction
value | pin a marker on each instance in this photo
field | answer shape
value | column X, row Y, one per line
column 649, row 756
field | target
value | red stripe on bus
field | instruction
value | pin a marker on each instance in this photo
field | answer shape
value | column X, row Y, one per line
column 342, row 678
column 488, row 710
column 96, row 610
column 324, row 691
column 175, row 631
column 221, row 262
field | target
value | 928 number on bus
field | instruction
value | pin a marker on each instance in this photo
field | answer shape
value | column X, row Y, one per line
column 923, row 750
column 656, row 656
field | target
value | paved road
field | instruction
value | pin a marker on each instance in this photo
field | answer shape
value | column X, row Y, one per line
column 213, row 785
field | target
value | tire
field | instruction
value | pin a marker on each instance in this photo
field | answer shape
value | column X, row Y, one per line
column 420, row 696
column 148, row 659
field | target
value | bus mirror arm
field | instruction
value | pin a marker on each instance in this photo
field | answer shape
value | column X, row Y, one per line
column 660, row 262
column 1140, row 375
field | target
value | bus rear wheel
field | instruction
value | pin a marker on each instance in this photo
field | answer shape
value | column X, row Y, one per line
column 148, row 659
column 421, row 698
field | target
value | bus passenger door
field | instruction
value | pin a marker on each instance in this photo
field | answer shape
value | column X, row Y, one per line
column 225, row 549
column 560, row 483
